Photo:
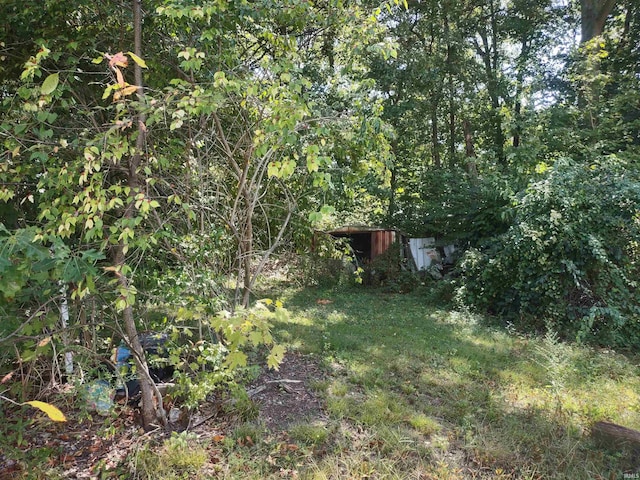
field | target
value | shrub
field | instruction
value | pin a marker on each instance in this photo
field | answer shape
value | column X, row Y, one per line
column 570, row 258
column 331, row 263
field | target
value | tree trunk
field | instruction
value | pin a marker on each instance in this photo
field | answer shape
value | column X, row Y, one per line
column 470, row 152
column 434, row 131
column 499, row 135
column 612, row 435
column 452, row 129
column 392, row 186
column 246, row 252
column 152, row 411
column 518, row 96
column 593, row 15
column 491, row 59
column 451, row 88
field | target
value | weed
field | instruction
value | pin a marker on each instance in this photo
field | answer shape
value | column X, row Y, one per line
column 248, row 434
column 319, row 386
column 554, row 356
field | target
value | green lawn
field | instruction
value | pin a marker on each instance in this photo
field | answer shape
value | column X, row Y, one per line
column 420, row 392
column 417, row 392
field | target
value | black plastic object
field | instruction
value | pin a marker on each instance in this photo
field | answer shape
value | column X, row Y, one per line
column 155, row 348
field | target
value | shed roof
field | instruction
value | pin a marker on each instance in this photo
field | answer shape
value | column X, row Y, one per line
column 359, row 229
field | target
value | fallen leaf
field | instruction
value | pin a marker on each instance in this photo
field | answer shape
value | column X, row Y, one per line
column 53, row 412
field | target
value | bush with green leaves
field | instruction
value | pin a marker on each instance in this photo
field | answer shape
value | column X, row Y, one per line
column 332, row 262
column 207, row 365
column 570, row 259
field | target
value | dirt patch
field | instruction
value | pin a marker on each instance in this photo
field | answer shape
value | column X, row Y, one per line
column 287, row 396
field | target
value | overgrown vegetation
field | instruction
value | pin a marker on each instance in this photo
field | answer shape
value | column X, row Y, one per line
column 569, row 261
column 419, row 392
column 157, row 155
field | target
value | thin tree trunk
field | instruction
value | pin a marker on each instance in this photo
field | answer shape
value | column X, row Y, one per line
column 452, row 128
column 246, row 253
column 488, row 53
column 518, row 96
column 391, row 211
column 470, row 152
column 151, row 411
column 434, row 131
column 450, row 71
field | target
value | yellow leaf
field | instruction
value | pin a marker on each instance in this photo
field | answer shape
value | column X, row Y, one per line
column 44, row 341
column 128, row 90
column 275, row 357
column 53, row 412
column 137, row 59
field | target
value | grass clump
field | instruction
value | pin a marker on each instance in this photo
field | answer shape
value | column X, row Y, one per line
column 180, row 457
column 247, row 434
column 309, row 434
column 424, row 424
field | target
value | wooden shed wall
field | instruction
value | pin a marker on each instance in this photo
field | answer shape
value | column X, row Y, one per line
column 381, row 240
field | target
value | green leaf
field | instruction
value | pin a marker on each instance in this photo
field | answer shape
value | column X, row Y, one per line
column 256, row 337
column 50, row 84
column 235, row 360
column 327, row 210
column 276, row 356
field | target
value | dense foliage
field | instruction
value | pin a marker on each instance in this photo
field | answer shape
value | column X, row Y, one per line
column 569, row 262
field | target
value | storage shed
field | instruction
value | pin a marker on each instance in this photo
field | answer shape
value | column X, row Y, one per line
column 368, row 242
